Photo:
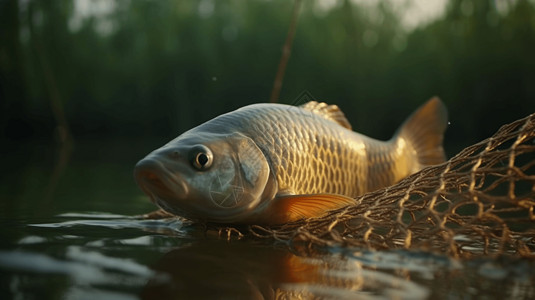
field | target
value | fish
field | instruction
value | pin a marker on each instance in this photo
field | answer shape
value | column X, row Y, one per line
column 271, row 164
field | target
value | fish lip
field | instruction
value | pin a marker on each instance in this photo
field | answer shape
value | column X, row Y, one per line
column 165, row 185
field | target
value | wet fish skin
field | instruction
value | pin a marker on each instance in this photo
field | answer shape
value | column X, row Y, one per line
column 274, row 163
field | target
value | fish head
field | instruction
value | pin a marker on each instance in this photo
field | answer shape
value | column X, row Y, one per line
column 208, row 176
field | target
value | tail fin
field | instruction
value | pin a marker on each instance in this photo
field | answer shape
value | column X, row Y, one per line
column 424, row 131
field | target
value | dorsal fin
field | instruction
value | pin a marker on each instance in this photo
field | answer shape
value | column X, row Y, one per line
column 329, row 112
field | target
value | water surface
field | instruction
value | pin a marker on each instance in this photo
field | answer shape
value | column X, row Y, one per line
column 83, row 242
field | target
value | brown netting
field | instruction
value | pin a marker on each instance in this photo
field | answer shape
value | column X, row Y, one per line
column 480, row 202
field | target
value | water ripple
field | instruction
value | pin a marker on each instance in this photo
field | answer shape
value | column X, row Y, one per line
column 174, row 226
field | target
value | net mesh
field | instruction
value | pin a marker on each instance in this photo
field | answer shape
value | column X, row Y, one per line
column 480, row 202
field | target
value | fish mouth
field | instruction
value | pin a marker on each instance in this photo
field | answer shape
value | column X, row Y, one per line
column 160, row 184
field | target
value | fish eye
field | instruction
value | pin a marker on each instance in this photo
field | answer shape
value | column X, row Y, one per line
column 201, row 157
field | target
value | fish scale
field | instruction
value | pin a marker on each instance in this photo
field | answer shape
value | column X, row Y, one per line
column 304, row 151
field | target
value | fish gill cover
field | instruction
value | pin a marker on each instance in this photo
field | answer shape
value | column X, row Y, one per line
column 479, row 203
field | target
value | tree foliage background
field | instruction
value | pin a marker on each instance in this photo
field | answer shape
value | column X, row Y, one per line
column 140, row 69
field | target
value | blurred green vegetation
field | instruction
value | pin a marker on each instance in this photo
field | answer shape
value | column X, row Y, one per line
column 135, row 69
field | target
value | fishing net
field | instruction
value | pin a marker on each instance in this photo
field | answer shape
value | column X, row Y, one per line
column 480, row 202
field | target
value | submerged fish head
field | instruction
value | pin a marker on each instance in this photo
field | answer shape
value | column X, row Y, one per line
column 207, row 176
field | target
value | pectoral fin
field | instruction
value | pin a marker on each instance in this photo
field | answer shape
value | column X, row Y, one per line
column 295, row 207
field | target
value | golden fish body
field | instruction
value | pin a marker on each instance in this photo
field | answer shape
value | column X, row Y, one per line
column 273, row 163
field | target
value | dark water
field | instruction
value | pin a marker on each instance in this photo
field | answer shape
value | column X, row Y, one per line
column 81, row 242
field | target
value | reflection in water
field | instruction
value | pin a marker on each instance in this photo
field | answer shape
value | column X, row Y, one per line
column 103, row 256
column 84, row 273
column 251, row 271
